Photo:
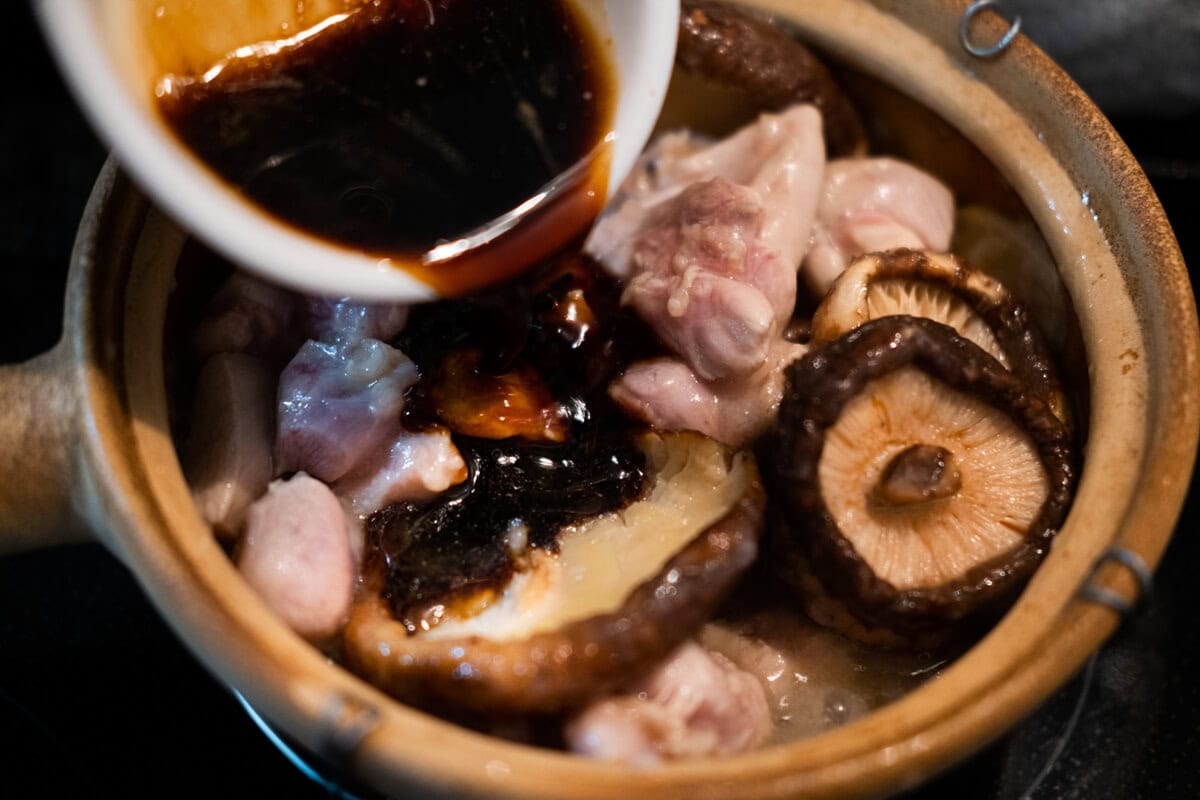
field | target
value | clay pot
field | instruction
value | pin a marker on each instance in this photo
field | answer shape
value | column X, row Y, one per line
column 85, row 444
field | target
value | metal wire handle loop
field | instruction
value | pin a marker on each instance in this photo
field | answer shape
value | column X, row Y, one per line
column 964, row 31
column 1106, row 597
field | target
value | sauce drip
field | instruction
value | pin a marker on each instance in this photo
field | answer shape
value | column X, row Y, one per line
column 409, row 124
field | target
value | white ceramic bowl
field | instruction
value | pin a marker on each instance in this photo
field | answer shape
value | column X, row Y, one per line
column 105, row 49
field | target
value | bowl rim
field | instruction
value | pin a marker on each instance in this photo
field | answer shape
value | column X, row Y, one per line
column 1144, row 298
column 78, row 32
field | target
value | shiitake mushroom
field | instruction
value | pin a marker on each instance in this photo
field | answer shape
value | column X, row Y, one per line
column 915, row 482
column 721, row 43
column 517, row 498
column 944, row 288
column 618, row 593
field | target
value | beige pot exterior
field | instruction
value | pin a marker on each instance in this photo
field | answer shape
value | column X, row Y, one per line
column 97, row 407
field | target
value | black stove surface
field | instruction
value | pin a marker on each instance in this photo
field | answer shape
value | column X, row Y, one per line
column 98, row 697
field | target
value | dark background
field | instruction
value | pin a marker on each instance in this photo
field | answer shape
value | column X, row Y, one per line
column 98, row 697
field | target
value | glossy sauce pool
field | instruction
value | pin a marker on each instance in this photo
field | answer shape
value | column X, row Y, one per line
column 409, row 124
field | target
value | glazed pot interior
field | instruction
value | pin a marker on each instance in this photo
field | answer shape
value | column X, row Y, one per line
column 1041, row 143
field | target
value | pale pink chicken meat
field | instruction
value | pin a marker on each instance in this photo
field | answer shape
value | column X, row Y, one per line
column 780, row 156
column 695, row 704
column 666, row 166
column 706, row 288
column 651, row 182
column 714, row 248
column 227, row 457
column 874, row 204
column 411, row 466
column 815, row 679
column 296, row 554
column 395, row 465
column 665, row 393
column 708, row 238
column 339, row 403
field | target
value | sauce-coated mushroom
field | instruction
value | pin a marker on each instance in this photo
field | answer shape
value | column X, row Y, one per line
column 620, row 593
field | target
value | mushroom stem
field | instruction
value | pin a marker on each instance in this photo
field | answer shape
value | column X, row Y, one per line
column 917, row 474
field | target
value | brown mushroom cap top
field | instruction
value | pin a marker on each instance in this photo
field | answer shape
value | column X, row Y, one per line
column 836, row 429
column 621, row 592
column 723, row 44
column 945, row 289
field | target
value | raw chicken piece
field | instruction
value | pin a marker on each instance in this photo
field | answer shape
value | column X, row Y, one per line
column 414, row 466
column 227, row 458
column 296, row 554
column 337, row 403
column 407, row 467
column 703, row 284
column 660, row 166
column 343, row 320
column 695, row 704
column 708, row 239
column 873, row 204
column 713, row 249
column 780, row 156
column 665, row 393
column 651, row 183
column 248, row 315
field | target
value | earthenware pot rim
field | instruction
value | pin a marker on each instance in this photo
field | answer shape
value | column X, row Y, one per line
column 1136, row 290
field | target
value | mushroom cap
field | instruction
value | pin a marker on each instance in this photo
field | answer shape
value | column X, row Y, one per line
column 945, row 289
column 857, row 404
column 622, row 591
column 721, row 43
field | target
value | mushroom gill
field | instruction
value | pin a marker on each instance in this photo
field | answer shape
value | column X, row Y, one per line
column 618, row 592
column 915, row 481
column 945, row 289
column 870, row 472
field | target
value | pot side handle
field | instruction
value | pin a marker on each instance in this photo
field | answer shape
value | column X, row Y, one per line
column 37, row 433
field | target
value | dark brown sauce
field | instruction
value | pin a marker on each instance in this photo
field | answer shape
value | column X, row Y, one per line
column 560, row 327
column 460, row 543
column 412, row 123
